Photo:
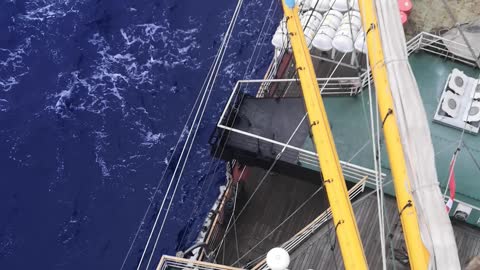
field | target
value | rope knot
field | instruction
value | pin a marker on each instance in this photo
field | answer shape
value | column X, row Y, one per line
column 390, row 112
column 372, row 27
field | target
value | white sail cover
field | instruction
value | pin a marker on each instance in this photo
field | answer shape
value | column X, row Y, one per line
column 435, row 225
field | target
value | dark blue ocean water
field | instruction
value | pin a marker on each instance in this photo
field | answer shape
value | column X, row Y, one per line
column 93, row 96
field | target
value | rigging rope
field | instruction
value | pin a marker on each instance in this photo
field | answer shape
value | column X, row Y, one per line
column 209, row 90
column 279, row 225
column 351, row 32
column 460, row 142
column 285, row 46
column 436, row 233
column 355, row 203
column 332, row 246
column 267, row 173
column 284, row 148
column 477, row 62
column 234, row 208
column 304, row 28
column 219, row 162
column 157, row 188
column 332, row 71
column 454, row 19
column 271, row 167
column 378, row 169
column 198, row 115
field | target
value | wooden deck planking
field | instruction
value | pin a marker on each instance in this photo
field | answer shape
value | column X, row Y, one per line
column 468, row 240
column 275, row 200
column 279, row 196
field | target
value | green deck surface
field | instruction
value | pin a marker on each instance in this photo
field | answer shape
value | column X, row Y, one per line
column 350, row 122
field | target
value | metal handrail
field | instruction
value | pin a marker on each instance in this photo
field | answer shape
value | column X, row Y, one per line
column 351, row 171
column 429, row 43
column 170, row 263
column 331, row 86
column 300, row 150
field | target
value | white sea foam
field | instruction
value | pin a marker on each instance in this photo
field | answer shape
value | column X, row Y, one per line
column 101, row 139
column 151, row 139
column 3, row 105
column 12, row 69
column 44, row 10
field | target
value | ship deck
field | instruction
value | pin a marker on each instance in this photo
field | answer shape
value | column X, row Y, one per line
column 280, row 195
column 277, row 198
column 349, row 119
column 255, row 231
column 317, row 252
column 347, row 114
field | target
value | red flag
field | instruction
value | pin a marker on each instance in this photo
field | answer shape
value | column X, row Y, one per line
column 451, row 181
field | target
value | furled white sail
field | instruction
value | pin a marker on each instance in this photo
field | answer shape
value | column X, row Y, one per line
column 435, row 225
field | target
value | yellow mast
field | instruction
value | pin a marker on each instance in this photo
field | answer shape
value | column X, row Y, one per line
column 417, row 253
column 343, row 217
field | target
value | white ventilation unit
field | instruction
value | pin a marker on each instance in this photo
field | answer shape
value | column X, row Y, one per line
column 342, row 5
column 311, row 22
column 329, row 25
column 462, row 212
column 280, row 38
column 360, row 44
column 355, row 5
column 459, row 105
column 320, row 5
column 451, row 104
column 458, row 81
column 477, row 90
column 472, row 114
column 303, row 5
column 347, row 32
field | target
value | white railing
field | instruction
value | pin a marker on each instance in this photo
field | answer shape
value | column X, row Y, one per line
column 333, row 86
column 353, row 171
column 313, row 226
column 271, row 73
column 309, row 157
column 446, row 48
column 350, row 171
column 175, row 263
column 433, row 44
column 445, row 198
column 337, row 86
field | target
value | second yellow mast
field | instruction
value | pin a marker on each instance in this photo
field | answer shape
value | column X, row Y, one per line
column 417, row 254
